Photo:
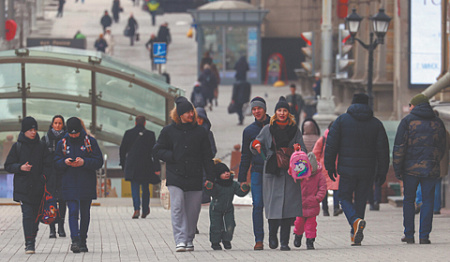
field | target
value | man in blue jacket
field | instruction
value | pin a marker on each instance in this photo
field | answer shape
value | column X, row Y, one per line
column 258, row 106
column 78, row 156
column 360, row 142
column 418, row 149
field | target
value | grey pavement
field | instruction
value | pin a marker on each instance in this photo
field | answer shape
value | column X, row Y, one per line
column 114, row 236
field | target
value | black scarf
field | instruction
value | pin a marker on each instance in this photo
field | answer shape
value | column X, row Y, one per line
column 282, row 136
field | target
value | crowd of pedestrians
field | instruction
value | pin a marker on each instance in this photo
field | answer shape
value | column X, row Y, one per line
column 352, row 154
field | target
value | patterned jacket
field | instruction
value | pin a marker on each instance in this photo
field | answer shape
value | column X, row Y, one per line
column 419, row 143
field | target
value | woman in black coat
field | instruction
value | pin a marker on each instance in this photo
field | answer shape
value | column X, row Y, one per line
column 29, row 160
column 55, row 133
column 186, row 149
column 132, row 28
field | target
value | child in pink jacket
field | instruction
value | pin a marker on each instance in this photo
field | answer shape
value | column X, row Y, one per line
column 314, row 189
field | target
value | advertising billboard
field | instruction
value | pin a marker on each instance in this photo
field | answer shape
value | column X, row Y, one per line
column 425, row 42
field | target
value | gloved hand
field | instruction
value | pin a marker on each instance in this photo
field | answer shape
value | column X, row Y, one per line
column 332, row 174
column 209, row 185
column 245, row 187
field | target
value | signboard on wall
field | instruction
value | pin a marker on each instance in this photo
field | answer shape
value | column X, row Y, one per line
column 425, row 42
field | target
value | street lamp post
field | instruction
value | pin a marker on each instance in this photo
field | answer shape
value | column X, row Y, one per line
column 380, row 25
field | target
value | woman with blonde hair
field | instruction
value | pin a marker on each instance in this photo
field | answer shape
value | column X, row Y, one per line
column 282, row 195
column 185, row 147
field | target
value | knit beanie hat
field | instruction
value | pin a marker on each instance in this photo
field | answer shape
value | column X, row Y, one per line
column 282, row 103
column 29, row 123
column 360, row 99
column 419, row 99
column 219, row 169
column 74, row 125
column 183, row 105
column 258, row 101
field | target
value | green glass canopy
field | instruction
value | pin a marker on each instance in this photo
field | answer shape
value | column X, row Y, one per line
column 104, row 92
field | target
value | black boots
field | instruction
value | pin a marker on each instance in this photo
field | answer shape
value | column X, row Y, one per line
column 75, row 247
column 310, row 243
column 326, row 213
column 61, row 231
column 273, row 231
column 285, row 231
column 83, row 246
column 29, row 246
column 298, row 240
column 52, row 230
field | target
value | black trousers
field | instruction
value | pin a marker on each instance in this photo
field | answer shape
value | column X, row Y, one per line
column 29, row 223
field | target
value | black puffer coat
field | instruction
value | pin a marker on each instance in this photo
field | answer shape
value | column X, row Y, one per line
column 186, row 150
column 361, row 142
column 136, row 155
column 29, row 185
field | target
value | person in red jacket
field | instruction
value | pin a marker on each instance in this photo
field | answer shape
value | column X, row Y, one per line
column 314, row 189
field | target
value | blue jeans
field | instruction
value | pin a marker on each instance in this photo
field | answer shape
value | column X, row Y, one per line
column 82, row 207
column 410, row 184
column 360, row 187
column 258, row 205
column 437, row 195
column 135, row 193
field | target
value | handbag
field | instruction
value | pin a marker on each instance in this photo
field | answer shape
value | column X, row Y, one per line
column 232, row 108
column 126, row 32
column 164, row 195
column 283, row 155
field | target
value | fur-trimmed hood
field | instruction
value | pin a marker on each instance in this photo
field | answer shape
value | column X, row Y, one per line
column 176, row 118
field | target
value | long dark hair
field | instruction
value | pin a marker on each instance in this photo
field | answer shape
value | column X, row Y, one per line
column 62, row 118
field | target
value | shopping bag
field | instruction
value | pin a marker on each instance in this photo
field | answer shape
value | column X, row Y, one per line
column 164, row 195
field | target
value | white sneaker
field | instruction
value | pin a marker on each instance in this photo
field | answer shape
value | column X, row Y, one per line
column 181, row 247
column 189, row 246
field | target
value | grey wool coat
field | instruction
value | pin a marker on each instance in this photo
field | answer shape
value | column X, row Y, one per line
column 282, row 196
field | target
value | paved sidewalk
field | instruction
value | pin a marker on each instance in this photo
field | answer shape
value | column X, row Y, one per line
column 114, row 236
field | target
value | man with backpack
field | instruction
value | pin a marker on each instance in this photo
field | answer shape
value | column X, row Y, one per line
column 78, row 156
column 140, row 167
column 30, row 162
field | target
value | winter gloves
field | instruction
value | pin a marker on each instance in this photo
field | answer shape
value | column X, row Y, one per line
column 245, row 187
column 332, row 174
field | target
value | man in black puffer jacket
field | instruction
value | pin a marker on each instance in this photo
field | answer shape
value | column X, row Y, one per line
column 360, row 141
column 185, row 147
column 418, row 149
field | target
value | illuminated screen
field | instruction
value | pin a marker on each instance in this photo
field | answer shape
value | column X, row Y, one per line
column 425, row 42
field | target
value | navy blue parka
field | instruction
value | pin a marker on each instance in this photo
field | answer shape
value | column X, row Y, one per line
column 79, row 183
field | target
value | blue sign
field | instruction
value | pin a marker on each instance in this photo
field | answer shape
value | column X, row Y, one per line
column 159, row 53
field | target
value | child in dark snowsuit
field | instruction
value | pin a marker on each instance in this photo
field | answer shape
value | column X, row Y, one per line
column 221, row 209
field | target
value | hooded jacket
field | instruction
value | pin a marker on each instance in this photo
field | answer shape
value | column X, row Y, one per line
column 186, row 150
column 29, row 185
column 78, row 183
column 360, row 142
column 419, row 143
column 310, row 132
column 314, row 189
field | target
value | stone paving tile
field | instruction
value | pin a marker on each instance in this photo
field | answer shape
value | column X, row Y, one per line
column 114, row 236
